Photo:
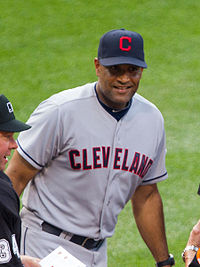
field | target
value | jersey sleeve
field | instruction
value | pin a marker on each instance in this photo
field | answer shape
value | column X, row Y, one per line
column 158, row 171
column 40, row 143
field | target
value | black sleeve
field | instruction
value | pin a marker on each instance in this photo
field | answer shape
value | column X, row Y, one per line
column 9, row 246
column 198, row 192
column 194, row 263
column 10, row 226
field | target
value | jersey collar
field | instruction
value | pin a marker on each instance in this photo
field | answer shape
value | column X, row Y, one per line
column 117, row 114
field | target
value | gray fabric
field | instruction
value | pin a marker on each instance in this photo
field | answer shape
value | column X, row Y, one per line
column 38, row 243
column 83, row 193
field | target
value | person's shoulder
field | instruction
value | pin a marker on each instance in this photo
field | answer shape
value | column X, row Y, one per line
column 61, row 100
column 8, row 194
column 5, row 179
column 145, row 104
column 77, row 93
column 140, row 99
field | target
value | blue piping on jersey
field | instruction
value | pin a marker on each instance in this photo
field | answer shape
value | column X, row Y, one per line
column 154, row 178
column 25, row 240
column 29, row 155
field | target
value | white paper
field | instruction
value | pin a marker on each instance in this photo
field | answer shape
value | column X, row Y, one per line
column 61, row 258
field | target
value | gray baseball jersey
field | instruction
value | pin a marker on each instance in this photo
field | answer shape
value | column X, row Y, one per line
column 90, row 164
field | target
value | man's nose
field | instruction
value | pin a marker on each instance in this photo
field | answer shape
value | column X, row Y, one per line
column 13, row 144
column 124, row 77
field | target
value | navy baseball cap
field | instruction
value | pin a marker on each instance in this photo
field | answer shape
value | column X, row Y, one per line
column 121, row 47
column 8, row 123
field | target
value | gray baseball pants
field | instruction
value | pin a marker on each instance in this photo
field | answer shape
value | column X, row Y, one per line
column 37, row 243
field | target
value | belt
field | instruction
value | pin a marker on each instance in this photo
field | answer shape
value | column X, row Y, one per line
column 83, row 241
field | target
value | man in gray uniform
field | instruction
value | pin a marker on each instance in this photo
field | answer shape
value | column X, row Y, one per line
column 90, row 150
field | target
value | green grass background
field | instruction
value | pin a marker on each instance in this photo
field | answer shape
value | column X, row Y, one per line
column 48, row 46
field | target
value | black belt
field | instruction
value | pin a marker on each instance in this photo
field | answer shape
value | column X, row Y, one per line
column 83, row 241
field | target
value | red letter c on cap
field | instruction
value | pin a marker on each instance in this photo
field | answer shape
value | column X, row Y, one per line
column 121, row 43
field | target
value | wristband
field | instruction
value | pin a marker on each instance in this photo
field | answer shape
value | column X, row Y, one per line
column 192, row 247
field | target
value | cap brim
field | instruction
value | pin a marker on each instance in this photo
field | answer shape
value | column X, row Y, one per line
column 14, row 126
column 122, row 60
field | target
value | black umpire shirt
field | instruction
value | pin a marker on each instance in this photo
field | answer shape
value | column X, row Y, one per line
column 10, row 223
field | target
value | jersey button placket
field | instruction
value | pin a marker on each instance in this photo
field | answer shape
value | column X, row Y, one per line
column 111, row 178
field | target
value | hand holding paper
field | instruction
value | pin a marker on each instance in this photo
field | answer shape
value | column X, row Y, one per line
column 61, row 258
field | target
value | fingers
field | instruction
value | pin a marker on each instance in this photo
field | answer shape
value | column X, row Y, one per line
column 30, row 261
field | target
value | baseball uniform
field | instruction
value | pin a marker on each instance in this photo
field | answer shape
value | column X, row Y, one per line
column 10, row 224
column 90, row 164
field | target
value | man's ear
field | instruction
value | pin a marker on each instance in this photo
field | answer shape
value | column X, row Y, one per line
column 97, row 65
column 141, row 72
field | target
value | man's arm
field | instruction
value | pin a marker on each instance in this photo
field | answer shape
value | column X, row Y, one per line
column 20, row 172
column 194, row 240
column 148, row 212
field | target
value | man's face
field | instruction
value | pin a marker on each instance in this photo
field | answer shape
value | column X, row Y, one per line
column 7, row 143
column 117, row 84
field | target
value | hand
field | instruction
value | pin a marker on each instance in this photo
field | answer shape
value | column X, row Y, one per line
column 30, row 261
column 194, row 239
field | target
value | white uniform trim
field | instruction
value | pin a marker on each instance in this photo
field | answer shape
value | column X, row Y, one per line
column 5, row 253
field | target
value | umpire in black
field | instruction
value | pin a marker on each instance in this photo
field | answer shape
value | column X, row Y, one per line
column 10, row 222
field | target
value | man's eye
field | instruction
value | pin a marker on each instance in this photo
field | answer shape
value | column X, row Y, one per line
column 113, row 69
column 8, row 135
column 133, row 69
